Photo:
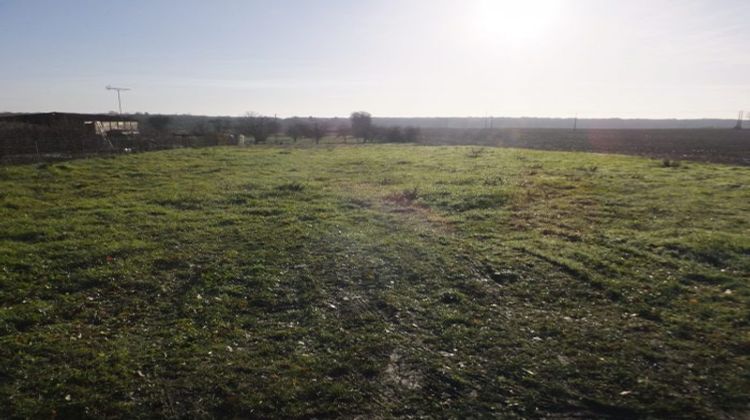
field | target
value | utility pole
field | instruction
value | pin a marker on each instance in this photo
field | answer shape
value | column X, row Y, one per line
column 118, row 90
column 575, row 123
column 739, row 121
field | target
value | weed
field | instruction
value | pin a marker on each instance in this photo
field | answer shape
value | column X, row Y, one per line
column 405, row 197
column 291, row 187
column 387, row 181
column 475, row 152
column 493, row 181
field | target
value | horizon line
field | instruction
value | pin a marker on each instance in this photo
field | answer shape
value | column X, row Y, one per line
column 747, row 116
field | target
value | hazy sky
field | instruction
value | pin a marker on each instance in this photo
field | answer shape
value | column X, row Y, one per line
column 597, row 58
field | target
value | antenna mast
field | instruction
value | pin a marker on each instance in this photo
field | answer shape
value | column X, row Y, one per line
column 739, row 120
column 118, row 90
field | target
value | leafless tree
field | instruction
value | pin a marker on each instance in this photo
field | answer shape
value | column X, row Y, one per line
column 317, row 130
column 296, row 129
column 343, row 132
column 362, row 125
column 260, row 127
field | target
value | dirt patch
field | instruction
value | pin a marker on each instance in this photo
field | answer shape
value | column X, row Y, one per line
column 397, row 372
column 404, row 198
column 407, row 204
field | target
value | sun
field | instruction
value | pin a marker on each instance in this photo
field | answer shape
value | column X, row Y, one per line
column 515, row 21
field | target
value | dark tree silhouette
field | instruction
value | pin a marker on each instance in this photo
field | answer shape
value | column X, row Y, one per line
column 343, row 132
column 296, row 129
column 260, row 127
column 317, row 130
column 159, row 122
column 411, row 134
column 362, row 125
column 220, row 125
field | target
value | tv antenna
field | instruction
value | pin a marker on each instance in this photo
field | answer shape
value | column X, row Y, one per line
column 118, row 89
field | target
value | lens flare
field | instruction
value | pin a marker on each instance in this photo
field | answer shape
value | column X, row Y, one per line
column 515, row 21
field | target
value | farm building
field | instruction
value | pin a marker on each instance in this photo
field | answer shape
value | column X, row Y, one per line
column 98, row 124
column 58, row 132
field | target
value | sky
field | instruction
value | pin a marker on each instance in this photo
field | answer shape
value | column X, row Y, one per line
column 405, row 58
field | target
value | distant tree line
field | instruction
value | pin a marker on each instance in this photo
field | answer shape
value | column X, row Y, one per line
column 359, row 126
column 309, row 128
column 363, row 128
column 262, row 128
column 167, row 131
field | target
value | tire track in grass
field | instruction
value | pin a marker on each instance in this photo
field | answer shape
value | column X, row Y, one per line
column 368, row 266
column 422, row 257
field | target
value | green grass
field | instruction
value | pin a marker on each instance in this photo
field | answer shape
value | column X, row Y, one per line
column 379, row 281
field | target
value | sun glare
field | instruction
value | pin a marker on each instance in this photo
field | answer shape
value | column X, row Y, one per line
column 515, row 21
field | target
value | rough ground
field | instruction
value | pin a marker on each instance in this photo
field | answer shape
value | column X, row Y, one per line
column 700, row 145
column 374, row 281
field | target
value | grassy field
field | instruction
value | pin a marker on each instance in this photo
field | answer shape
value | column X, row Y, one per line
column 379, row 281
column 701, row 145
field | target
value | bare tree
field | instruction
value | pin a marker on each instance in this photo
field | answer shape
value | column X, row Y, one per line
column 220, row 124
column 362, row 125
column 411, row 134
column 260, row 127
column 343, row 132
column 317, row 130
column 296, row 129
